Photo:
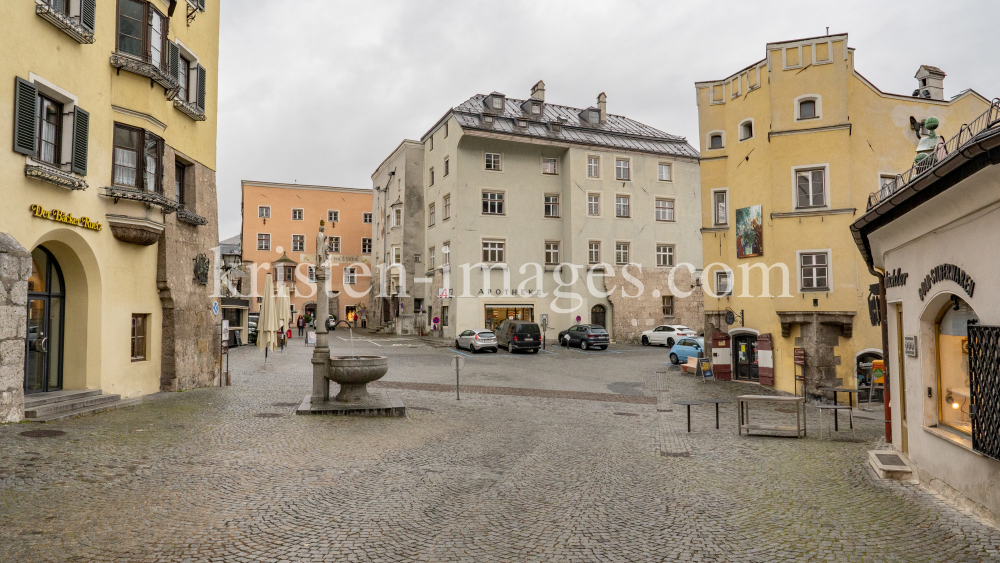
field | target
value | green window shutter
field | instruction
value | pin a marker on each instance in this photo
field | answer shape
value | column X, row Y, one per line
column 25, row 117
column 81, row 131
column 88, row 14
column 201, row 5
column 175, row 60
column 201, row 87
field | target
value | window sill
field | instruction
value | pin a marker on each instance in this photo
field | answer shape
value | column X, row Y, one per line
column 190, row 110
column 55, row 176
column 121, row 61
column 813, row 212
column 149, row 198
column 949, row 436
column 814, row 290
column 72, row 28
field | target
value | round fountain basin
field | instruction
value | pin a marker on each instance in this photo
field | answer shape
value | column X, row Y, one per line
column 357, row 370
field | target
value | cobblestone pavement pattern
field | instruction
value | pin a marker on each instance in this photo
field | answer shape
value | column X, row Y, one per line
column 196, row 476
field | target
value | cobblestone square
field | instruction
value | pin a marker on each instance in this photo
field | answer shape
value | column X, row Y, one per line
column 558, row 456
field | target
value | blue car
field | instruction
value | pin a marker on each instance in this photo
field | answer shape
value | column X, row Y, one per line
column 687, row 348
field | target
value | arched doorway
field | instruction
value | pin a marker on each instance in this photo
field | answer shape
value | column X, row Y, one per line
column 598, row 316
column 745, row 365
column 863, row 372
column 951, row 331
column 43, row 359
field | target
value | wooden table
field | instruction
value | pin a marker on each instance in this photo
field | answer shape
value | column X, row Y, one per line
column 850, row 402
column 744, row 417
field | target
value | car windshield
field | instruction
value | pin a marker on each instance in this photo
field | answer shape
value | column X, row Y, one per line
column 528, row 329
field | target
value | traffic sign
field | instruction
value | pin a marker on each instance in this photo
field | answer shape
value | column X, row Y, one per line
column 215, row 307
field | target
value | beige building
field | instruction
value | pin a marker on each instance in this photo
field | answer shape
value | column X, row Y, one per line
column 791, row 147
column 110, row 185
column 499, row 185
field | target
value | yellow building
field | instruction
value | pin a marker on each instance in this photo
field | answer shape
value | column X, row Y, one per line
column 792, row 146
column 109, row 184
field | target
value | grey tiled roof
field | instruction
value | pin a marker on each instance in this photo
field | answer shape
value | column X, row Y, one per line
column 230, row 245
column 619, row 132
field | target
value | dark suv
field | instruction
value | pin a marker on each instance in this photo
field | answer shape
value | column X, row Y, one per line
column 585, row 336
column 519, row 335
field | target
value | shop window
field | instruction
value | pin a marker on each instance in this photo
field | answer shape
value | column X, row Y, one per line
column 952, row 330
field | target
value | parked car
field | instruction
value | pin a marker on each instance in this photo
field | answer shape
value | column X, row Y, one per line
column 686, row 348
column 585, row 336
column 519, row 335
column 666, row 335
column 477, row 339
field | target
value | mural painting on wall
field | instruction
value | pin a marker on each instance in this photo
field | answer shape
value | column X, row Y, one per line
column 749, row 232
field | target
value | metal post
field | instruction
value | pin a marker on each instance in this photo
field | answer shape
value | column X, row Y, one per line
column 457, row 369
column 220, row 354
column 689, row 418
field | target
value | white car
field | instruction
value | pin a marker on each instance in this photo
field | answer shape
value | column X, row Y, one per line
column 476, row 340
column 666, row 335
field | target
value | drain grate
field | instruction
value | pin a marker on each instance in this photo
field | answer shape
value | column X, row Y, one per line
column 889, row 459
column 675, row 454
column 284, row 404
column 269, row 415
column 626, row 414
column 43, row 433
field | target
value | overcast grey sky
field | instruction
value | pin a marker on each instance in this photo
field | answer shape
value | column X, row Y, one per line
column 320, row 91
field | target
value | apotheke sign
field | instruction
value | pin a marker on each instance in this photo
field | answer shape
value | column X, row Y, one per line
column 63, row 217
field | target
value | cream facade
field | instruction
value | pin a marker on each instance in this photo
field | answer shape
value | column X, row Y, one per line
column 110, row 185
column 933, row 235
column 604, row 205
column 805, row 137
column 280, row 222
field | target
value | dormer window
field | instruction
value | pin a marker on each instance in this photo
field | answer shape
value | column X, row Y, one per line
column 522, row 122
column 487, row 119
column 555, row 126
column 594, row 116
column 536, row 108
column 497, row 103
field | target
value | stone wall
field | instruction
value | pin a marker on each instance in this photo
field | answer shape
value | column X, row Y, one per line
column 191, row 332
column 15, row 269
column 631, row 316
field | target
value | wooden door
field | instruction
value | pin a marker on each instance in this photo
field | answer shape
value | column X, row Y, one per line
column 722, row 357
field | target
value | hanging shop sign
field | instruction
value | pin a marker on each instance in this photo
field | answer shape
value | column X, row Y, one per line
column 63, row 217
column 895, row 278
column 947, row 272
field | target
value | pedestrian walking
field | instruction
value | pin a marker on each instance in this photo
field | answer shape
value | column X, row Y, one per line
column 301, row 324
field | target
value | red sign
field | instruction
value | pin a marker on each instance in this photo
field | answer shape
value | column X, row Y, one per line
column 800, row 356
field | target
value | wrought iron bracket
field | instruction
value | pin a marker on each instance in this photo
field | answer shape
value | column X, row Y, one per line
column 192, row 12
column 155, row 74
column 72, row 28
column 165, row 204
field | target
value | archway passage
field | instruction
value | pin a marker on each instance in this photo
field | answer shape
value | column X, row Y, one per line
column 43, row 358
column 598, row 316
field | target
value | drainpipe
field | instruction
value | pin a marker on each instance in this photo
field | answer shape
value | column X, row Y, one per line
column 884, row 315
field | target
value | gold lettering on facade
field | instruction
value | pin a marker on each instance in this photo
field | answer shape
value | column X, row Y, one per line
column 63, row 217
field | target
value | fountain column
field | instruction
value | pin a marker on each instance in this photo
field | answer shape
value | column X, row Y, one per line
column 321, row 353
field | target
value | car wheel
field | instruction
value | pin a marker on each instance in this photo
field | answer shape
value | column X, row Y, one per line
column 535, row 351
column 583, row 344
column 495, row 350
column 565, row 341
column 670, row 342
column 674, row 359
column 645, row 341
column 604, row 347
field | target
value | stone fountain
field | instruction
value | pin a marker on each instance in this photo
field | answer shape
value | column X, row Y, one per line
column 353, row 373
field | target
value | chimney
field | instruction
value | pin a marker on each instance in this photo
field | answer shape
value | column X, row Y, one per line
column 930, row 83
column 538, row 91
column 602, row 105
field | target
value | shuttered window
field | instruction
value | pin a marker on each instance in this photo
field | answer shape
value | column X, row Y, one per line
column 25, row 114
column 81, row 135
column 39, row 123
column 49, row 130
column 201, row 88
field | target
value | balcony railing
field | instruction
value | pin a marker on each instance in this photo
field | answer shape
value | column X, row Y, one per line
column 149, row 198
column 55, row 176
column 967, row 135
column 131, row 64
column 70, row 26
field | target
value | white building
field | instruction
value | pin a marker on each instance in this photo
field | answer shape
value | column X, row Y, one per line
column 510, row 183
column 933, row 232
